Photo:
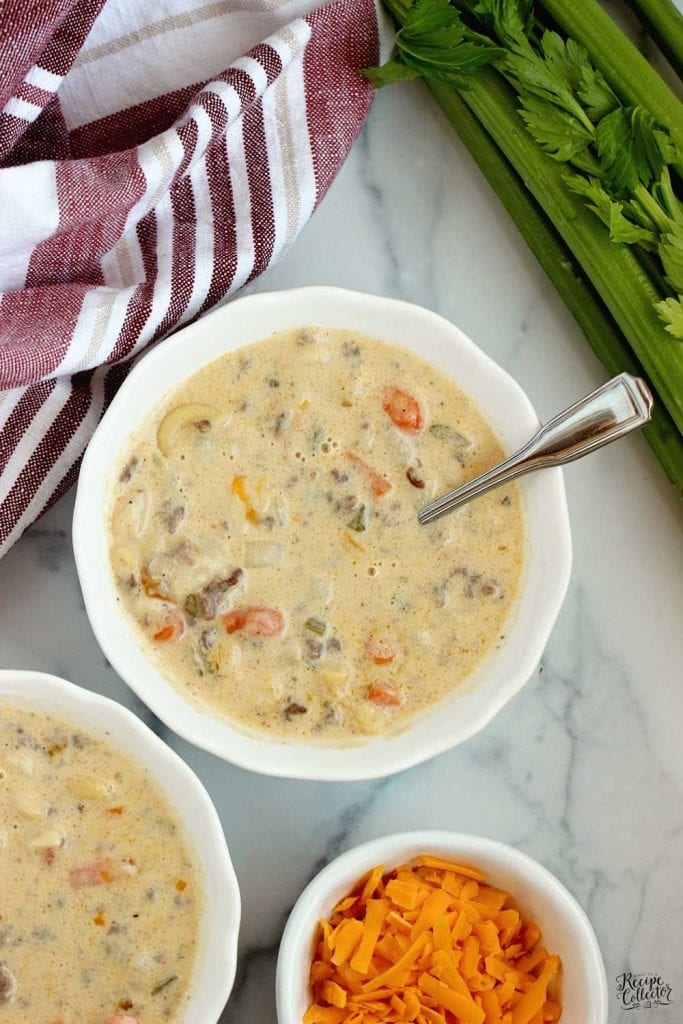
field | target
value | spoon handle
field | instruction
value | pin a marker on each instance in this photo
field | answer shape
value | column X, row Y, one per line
column 619, row 406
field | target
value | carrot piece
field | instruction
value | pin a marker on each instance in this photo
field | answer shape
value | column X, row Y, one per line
column 254, row 622
column 173, row 628
column 384, row 694
column 101, row 872
column 353, row 543
column 239, row 489
column 379, row 485
column 151, row 587
column 403, row 409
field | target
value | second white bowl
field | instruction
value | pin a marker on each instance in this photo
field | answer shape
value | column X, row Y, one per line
column 564, row 926
column 214, row 971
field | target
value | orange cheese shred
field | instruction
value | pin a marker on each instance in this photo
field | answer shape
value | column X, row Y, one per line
column 431, row 942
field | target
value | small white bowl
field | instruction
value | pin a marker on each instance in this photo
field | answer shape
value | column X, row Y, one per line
column 214, row 971
column 548, row 558
column 564, row 926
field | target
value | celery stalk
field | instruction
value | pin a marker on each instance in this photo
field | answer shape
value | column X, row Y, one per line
column 663, row 21
column 633, row 79
column 614, row 271
column 594, row 320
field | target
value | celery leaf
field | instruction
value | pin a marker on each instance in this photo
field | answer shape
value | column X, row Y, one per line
column 392, row 71
column 611, row 213
column 431, row 45
column 671, row 312
column 671, row 255
column 559, row 133
column 629, row 149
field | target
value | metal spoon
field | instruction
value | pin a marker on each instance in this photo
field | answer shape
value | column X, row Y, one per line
column 619, row 406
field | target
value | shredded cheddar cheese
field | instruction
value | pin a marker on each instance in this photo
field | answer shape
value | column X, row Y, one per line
column 430, row 942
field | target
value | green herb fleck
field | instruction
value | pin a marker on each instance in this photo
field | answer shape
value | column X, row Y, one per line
column 358, row 523
column 446, row 433
column 315, row 625
column 192, row 605
column 164, row 984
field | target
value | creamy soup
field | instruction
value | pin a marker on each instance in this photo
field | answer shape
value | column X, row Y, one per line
column 99, row 895
column 265, row 540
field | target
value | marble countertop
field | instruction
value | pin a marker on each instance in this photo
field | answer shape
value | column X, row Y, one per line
column 584, row 769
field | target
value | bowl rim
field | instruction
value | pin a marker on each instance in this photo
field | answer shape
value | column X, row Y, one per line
column 353, row 863
column 389, row 754
column 209, row 994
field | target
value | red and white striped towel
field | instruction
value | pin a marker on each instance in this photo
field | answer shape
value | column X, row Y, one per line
column 155, row 155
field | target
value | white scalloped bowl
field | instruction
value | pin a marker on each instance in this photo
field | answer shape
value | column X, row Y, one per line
column 548, row 557
column 214, row 971
column 537, row 893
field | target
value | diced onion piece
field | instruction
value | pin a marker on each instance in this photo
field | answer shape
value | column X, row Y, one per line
column 53, row 838
column 130, row 514
column 179, row 417
column 123, row 560
column 31, row 806
column 92, row 787
column 261, row 554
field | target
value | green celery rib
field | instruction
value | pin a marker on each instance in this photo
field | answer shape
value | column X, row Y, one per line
column 614, row 271
column 663, row 21
column 612, row 268
column 633, row 79
column 594, row 320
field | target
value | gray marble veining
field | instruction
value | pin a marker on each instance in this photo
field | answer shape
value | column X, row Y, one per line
column 584, row 770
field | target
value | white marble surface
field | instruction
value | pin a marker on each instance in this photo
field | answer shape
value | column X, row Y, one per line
column 584, row 770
